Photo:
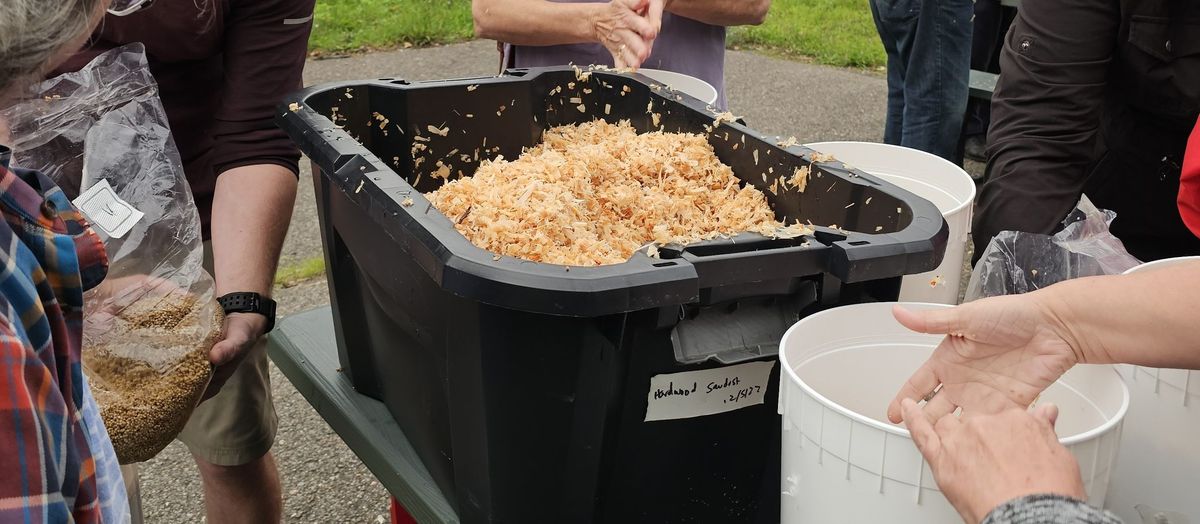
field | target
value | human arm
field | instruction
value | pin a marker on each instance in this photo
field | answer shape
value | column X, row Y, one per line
column 620, row 25
column 265, row 48
column 1007, row 350
column 1006, row 468
column 252, row 207
column 721, row 12
column 1044, row 115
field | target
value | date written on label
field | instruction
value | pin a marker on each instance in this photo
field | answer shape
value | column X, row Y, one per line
column 707, row 392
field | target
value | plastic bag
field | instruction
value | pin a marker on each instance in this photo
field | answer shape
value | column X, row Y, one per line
column 101, row 133
column 1016, row 262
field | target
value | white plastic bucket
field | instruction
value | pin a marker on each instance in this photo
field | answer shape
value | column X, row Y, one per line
column 842, row 460
column 930, row 177
column 1159, row 464
column 691, row 85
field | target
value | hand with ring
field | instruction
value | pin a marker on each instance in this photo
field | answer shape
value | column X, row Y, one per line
column 1006, row 351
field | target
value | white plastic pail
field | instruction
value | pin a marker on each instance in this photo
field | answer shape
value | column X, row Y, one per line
column 699, row 89
column 930, row 177
column 842, row 460
column 1159, row 463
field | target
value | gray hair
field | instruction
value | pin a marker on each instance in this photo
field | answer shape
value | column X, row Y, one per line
column 35, row 32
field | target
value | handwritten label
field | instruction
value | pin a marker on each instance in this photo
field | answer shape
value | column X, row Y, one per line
column 106, row 211
column 707, row 392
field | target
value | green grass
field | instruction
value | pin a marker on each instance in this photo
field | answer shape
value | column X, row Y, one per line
column 300, row 272
column 351, row 25
column 834, row 32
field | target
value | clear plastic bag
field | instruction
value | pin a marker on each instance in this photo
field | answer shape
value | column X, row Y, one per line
column 1016, row 262
column 101, row 133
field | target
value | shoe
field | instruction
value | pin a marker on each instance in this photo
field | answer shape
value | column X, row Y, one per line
column 975, row 148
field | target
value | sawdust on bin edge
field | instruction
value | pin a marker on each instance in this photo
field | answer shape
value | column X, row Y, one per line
column 595, row 193
column 149, row 370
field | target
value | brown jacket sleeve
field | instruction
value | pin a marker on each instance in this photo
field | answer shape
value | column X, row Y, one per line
column 1045, row 114
column 266, row 43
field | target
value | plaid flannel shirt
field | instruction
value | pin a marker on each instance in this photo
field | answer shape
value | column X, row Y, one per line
column 49, row 257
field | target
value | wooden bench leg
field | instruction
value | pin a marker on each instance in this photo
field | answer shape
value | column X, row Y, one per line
column 400, row 515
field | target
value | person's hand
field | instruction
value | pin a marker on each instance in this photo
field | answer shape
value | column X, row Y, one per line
column 983, row 461
column 626, row 29
column 1001, row 352
column 242, row 330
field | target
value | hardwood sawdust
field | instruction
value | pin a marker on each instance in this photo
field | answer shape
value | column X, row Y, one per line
column 593, row 194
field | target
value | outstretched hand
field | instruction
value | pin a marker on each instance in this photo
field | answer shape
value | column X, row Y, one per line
column 999, row 353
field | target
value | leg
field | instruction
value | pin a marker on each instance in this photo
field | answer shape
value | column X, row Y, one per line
column 895, row 21
column 230, row 436
column 935, row 90
column 247, row 493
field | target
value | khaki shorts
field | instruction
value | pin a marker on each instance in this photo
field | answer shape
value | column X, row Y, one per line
column 237, row 425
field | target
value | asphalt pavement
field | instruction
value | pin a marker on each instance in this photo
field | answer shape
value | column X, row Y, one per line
column 322, row 479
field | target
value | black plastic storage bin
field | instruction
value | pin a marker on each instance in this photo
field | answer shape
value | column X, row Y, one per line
column 525, row 387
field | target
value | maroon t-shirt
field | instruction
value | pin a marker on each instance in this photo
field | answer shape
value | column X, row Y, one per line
column 221, row 69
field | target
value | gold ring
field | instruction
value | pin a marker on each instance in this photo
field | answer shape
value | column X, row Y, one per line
column 929, row 396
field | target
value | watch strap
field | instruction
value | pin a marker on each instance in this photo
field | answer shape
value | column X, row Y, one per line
column 249, row 302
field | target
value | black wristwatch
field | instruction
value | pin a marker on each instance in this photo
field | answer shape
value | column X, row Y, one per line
column 248, row 302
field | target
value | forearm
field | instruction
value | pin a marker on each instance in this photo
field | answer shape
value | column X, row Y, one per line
column 722, row 12
column 252, row 207
column 1147, row 319
column 535, row 22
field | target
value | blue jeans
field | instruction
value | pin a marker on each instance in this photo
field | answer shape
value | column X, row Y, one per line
column 928, row 44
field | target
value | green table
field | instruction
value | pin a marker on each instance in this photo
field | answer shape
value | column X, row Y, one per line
column 305, row 350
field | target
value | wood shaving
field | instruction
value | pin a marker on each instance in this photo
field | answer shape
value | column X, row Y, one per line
column 822, row 157
column 799, row 179
column 293, row 107
column 608, row 109
column 724, row 117
column 878, row 228
column 582, row 108
column 443, row 171
column 440, row 131
column 407, row 202
column 361, row 183
column 472, row 87
column 789, row 142
column 595, row 193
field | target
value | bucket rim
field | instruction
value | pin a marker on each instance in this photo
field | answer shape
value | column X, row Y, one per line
column 968, row 201
column 710, row 98
column 1160, row 263
column 1109, row 424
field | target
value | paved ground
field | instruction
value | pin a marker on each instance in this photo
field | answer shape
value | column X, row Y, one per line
column 323, row 480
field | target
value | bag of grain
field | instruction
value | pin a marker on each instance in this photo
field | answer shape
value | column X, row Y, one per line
column 102, row 135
